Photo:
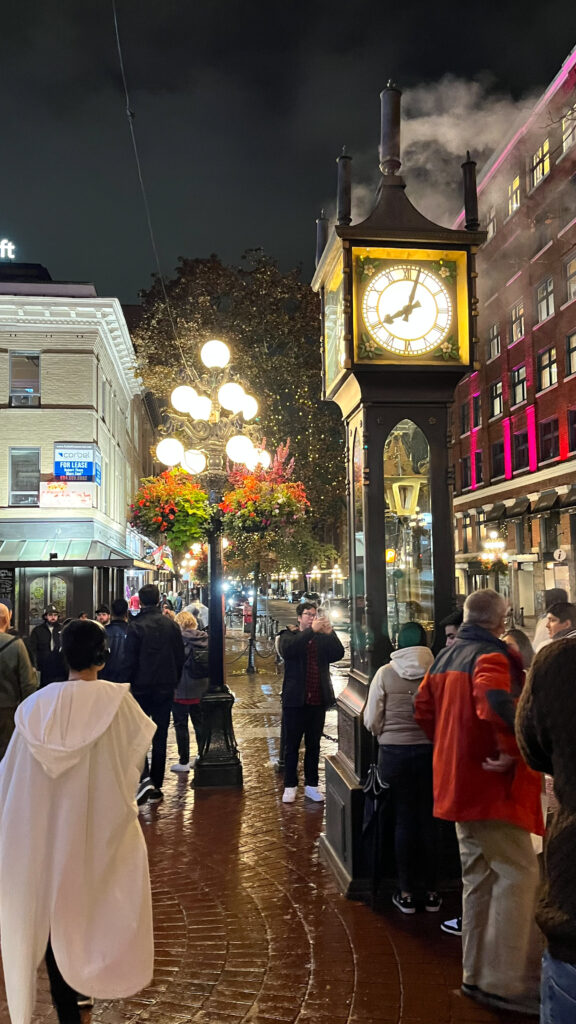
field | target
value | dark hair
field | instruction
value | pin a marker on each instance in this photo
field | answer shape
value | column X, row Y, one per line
column 523, row 644
column 556, row 595
column 304, row 605
column 84, row 644
column 149, row 595
column 102, row 608
column 563, row 610
column 119, row 607
column 167, row 603
column 412, row 634
column 454, row 619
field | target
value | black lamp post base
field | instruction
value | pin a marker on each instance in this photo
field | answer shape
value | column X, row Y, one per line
column 219, row 762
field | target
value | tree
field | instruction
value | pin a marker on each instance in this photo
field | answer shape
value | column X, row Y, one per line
column 270, row 319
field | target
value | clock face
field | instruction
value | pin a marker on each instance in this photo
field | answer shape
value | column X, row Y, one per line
column 407, row 309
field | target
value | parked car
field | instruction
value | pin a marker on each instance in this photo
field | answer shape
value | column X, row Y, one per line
column 235, row 599
column 296, row 596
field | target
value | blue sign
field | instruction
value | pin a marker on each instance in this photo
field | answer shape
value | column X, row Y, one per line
column 82, row 462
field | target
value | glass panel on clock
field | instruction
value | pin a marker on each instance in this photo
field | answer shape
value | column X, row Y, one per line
column 334, row 351
column 409, row 572
column 359, row 630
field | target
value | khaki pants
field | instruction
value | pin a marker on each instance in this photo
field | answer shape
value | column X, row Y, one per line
column 500, row 878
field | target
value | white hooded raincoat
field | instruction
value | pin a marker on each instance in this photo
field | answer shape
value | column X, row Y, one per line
column 73, row 861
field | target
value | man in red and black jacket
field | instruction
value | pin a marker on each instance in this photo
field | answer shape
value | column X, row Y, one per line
column 306, row 693
column 466, row 706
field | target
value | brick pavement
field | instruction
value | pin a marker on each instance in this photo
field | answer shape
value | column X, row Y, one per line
column 249, row 926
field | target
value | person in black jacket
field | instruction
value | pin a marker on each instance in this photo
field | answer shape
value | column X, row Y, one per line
column 193, row 684
column 116, row 633
column 306, row 693
column 45, row 648
column 154, row 656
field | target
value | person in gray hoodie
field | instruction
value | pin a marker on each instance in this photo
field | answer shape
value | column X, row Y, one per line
column 405, row 763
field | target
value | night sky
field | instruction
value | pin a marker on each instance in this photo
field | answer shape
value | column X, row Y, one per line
column 241, row 110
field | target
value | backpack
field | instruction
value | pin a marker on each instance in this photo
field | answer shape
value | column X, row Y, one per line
column 197, row 661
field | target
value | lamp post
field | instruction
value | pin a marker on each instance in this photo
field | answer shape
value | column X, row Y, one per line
column 212, row 416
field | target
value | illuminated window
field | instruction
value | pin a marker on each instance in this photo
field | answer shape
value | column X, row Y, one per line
column 549, row 440
column 572, row 430
column 491, row 223
column 570, row 267
column 513, row 195
column 24, row 379
column 569, row 128
column 24, row 476
column 494, row 341
column 518, row 385
column 547, row 369
column 476, row 410
column 517, row 321
column 545, row 300
column 465, row 418
column 540, row 164
column 520, row 453
column 465, row 472
column 480, row 527
column 570, row 354
column 478, row 465
column 496, row 399
column 497, row 453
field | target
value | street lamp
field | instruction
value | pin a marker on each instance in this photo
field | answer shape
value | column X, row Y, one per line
column 211, row 416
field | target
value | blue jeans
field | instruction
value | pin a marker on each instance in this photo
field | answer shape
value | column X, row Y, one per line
column 557, row 991
column 407, row 768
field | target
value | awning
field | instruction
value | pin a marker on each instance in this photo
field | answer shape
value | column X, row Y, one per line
column 496, row 513
column 520, row 507
column 569, row 498
column 68, row 552
column 546, row 502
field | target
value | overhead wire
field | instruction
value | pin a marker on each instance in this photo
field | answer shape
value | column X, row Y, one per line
column 131, row 116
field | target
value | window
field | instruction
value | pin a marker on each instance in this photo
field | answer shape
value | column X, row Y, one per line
column 465, row 472
column 477, row 408
column 494, row 341
column 24, row 379
column 104, row 400
column 549, row 440
column 465, row 418
column 491, row 223
column 497, row 452
column 496, row 401
column 540, row 164
column 520, row 450
column 478, row 466
column 466, row 531
column 570, row 269
column 518, row 385
column 545, row 300
column 572, row 430
column 517, row 321
column 569, row 128
column 547, row 369
column 570, row 354
column 24, row 476
column 480, row 528
column 513, row 195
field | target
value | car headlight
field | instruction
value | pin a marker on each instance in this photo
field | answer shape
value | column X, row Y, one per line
column 335, row 613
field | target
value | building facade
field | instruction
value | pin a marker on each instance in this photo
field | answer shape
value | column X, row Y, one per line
column 75, row 439
column 514, row 418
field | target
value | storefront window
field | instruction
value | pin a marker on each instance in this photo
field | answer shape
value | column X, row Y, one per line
column 359, row 633
column 409, row 574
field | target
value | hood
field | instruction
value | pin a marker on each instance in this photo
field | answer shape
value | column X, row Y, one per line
column 61, row 722
column 195, row 634
column 412, row 662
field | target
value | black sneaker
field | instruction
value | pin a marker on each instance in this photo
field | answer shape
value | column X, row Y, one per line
column 144, row 789
column 404, row 903
column 515, row 1004
column 433, row 902
column 155, row 795
column 453, row 927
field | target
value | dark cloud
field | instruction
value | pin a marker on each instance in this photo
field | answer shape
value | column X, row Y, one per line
column 241, row 109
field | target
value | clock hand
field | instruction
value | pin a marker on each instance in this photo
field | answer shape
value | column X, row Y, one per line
column 404, row 313
column 414, row 287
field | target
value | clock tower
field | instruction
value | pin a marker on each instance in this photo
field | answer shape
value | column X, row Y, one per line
column 398, row 333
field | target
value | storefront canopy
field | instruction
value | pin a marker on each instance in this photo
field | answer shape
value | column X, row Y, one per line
column 496, row 513
column 520, row 508
column 547, row 501
column 67, row 552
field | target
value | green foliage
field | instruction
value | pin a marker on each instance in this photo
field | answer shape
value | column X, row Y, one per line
column 270, row 320
column 171, row 509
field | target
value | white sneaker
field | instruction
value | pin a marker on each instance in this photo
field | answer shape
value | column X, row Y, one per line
column 180, row 767
column 289, row 795
column 313, row 793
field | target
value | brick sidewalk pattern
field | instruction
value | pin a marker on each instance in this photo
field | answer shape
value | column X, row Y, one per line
column 249, row 925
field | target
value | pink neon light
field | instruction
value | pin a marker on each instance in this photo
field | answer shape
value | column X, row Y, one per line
column 552, row 89
column 531, row 429
column 506, row 432
column 563, row 438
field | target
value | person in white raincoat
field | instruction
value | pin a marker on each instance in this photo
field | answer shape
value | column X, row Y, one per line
column 73, row 861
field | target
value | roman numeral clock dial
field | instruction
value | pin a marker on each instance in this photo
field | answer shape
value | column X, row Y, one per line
column 406, row 309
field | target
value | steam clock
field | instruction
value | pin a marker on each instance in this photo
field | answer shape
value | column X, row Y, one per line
column 398, row 333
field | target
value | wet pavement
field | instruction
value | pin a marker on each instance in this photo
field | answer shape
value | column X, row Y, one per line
column 249, row 925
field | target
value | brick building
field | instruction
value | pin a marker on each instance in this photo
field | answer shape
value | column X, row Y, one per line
column 514, row 419
column 75, row 438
